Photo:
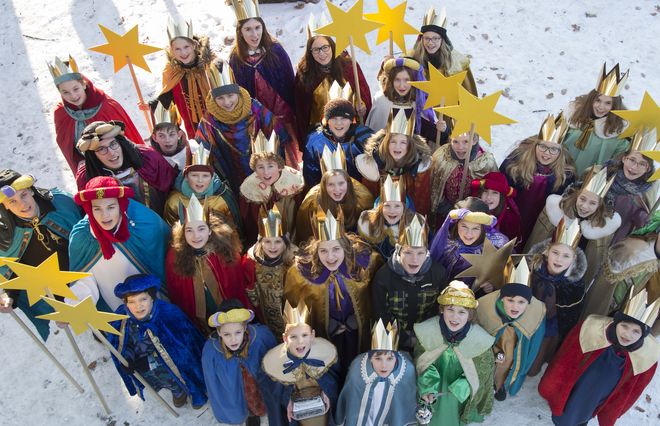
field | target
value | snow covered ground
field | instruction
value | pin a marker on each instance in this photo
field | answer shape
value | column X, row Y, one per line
column 541, row 53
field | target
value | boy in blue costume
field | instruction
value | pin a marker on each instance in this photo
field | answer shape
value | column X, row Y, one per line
column 237, row 386
column 159, row 342
column 381, row 385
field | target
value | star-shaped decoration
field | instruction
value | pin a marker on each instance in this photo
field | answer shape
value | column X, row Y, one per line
column 82, row 315
column 125, row 46
column 648, row 116
column 36, row 280
column 348, row 24
column 472, row 110
column 488, row 266
column 438, row 86
column 655, row 156
column 392, row 20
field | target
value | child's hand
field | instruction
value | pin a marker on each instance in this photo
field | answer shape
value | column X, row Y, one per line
column 289, row 411
column 326, row 401
column 429, row 398
column 487, row 287
column 441, row 125
column 61, row 324
column 143, row 106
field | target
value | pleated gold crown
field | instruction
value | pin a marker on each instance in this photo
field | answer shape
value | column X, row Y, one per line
column 62, row 72
column 167, row 115
column 636, row 307
column 392, row 190
column 567, row 232
column 611, row 83
column 296, row 316
column 176, row 29
column 431, row 18
column 337, row 91
column 270, row 223
column 597, row 182
column 519, row 274
column 414, row 234
column 553, row 130
column 644, row 140
column 218, row 78
column 332, row 160
column 385, row 338
column 400, row 124
column 245, row 9
column 326, row 226
column 199, row 157
column 261, row 144
column 194, row 212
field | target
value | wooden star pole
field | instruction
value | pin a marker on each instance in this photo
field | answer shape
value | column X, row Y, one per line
column 356, row 78
column 147, row 115
column 466, row 163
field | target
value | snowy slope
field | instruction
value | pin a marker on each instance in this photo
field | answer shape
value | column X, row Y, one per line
column 541, row 53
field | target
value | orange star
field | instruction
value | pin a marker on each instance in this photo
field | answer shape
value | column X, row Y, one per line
column 348, row 24
column 438, row 86
column 392, row 20
column 123, row 47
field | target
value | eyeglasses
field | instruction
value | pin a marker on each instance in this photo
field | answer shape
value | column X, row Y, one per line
column 317, row 50
column 635, row 163
column 553, row 150
column 433, row 40
column 114, row 145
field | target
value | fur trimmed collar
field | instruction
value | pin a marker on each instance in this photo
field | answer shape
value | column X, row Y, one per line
column 555, row 214
column 204, row 55
column 290, row 183
column 576, row 271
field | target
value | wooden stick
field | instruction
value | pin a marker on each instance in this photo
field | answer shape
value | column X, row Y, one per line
column 137, row 375
column 48, row 353
column 83, row 363
column 355, row 76
column 438, row 134
column 466, row 164
column 392, row 44
column 147, row 115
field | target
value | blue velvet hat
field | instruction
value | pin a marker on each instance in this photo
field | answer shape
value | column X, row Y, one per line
column 137, row 284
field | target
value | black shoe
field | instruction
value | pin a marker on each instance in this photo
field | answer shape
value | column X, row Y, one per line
column 500, row 394
column 179, row 401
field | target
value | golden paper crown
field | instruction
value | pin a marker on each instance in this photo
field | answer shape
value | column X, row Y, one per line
column 332, row 160
column 393, row 190
column 553, row 130
column 326, row 226
column 316, row 22
column 199, row 157
column 246, row 9
column 520, row 274
column 233, row 315
column 270, row 223
column 611, row 83
column 219, row 79
column 567, row 232
column 296, row 316
column 432, row 19
column 385, row 338
column 400, row 124
column 644, row 140
column 176, row 29
column 636, row 307
column 62, row 72
column 340, row 92
column 261, row 144
column 458, row 294
column 415, row 234
column 597, row 182
column 169, row 115
column 194, row 212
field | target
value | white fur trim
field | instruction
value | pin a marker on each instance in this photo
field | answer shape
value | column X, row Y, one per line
column 555, row 214
column 591, row 233
column 367, row 167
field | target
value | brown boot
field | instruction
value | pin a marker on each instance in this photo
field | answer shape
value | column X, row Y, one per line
column 179, row 401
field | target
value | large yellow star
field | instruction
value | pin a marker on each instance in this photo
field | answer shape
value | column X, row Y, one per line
column 348, row 24
column 438, row 86
column 82, row 315
column 488, row 266
column 472, row 110
column 655, row 156
column 35, row 280
column 392, row 20
column 648, row 116
column 126, row 46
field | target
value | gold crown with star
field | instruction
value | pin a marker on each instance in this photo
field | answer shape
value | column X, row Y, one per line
column 414, row 234
column 270, row 223
column 553, row 130
column 167, row 115
column 176, row 29
column 385, row 338
column 261, row 144
column 332, row 160
column 596, row 182
column 401, row 124
column 299, row 315
column 336, row 91
column 431, row 18
column 644, row 140
column 567, row 232
column 62, row 71
column 610, row 83
column 637, row 308
column 326, row 227
column 246, row 9
column 392, row 190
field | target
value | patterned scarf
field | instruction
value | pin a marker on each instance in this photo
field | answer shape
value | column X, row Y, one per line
column 240, row 111
column 80, row 117
column 623, row 186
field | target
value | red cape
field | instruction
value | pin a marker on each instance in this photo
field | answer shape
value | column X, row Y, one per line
column 570, row 363
column 65, row 125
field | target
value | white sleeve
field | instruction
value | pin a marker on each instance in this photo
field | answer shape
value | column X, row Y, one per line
column 82, row 288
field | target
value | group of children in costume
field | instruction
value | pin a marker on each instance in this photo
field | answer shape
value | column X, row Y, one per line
column 361, row 258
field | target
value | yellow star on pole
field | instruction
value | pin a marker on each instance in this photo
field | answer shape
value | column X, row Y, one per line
column 489, row 265
column 392, row 20
column 35, row 280
column 472, row 110
column 82, row 315
column 655, row 156
column 648, row 115
column 438, row 86
column 121, row 47
column 347, row 25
